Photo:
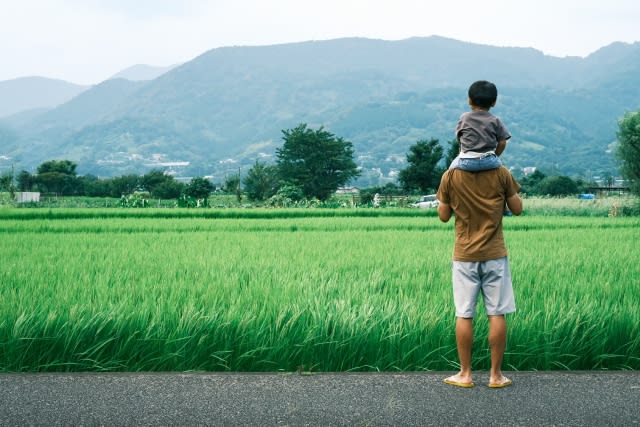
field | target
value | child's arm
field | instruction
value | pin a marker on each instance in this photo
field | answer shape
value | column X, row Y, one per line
column 501, row 146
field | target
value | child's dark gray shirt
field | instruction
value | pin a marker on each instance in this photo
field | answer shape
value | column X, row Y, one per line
column 480, row 131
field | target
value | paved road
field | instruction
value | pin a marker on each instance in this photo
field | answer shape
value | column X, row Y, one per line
column 237, row 399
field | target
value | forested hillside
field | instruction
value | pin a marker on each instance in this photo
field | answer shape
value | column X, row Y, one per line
column 227, row 107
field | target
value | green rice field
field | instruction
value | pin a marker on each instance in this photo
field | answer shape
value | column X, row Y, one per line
column 302, row 290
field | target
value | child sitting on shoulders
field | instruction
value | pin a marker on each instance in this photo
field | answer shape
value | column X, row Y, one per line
column 482, row 136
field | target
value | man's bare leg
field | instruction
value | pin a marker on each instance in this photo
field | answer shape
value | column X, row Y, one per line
column 497, row 343
column 464, row 342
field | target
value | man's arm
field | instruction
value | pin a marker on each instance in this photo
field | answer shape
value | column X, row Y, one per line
column 444, row 212
column 514, row 203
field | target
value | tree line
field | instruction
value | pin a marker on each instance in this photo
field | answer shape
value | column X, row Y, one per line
column 311, row 164
column 60, row 177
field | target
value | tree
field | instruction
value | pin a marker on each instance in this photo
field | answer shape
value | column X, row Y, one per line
column 452, row 152
column 530, row 182
column 558, row 186
column 168, row 189
column 628, row 151
column 153, row 179
column 161, row 185
column 25, row 181
column 199, row 188
column 608, row 180
column 422, row 172
column 123, row 185
column 58, row 176
column 93, row 186
column 316, row 161
column 261, row 181
column 65, row 167
column 6, row 181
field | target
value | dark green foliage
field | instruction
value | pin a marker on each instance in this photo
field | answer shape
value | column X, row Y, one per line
column 56, row 182
column 92, row 186
column 122, row 185
column 315, row 161
column 557, row 186
column 169, row 189
column 65, row 167
column 628, row 151
column 231, row 183
column 261, row 181
column 25, row 181
column 529, row 184
column 153, row 179
column 198, row 188
column 58, row 176
column 452, row 152
column 6, row 181
column 161, row 185
column 291, row 192
column 423, row 172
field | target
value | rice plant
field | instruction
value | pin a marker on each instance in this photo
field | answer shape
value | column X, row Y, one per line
column 266, row 290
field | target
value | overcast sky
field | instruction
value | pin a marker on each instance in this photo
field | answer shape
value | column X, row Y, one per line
column 87, row 41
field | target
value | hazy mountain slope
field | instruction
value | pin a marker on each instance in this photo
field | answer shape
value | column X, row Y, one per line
column 91, row 106
column 141, row 72
column 28, row 93
column 233, row 103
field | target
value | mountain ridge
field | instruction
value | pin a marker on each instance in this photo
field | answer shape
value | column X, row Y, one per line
column 34, row 92
column 142, row 72
column 233, row 102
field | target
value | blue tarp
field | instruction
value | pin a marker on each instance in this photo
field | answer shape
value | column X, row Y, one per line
column 586, row 196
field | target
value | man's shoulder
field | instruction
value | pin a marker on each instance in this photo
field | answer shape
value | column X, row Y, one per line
column 501, row 173
column 462, row 177
column 450, row 173
column 504, row 173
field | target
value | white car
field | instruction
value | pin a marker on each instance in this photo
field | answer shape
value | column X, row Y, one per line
column 429, row 201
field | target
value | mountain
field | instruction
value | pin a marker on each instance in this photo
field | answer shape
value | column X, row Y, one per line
column 142, row 72
column 92, row 105
column 29, row 93
column 226, row 108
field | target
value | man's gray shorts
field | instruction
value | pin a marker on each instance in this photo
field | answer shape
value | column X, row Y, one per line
column 491, row 278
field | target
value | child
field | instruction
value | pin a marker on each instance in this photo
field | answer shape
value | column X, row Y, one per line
column 482, row 136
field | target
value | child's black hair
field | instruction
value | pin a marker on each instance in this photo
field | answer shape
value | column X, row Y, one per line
column 483, row 94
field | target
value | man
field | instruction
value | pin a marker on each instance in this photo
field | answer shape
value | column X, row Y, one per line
column 480, row 261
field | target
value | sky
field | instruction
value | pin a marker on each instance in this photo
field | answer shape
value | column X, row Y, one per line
column 88, row 41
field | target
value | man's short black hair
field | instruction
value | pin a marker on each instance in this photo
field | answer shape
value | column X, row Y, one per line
column 483, row 94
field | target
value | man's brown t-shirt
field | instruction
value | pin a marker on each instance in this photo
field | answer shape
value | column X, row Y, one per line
column 478, row 201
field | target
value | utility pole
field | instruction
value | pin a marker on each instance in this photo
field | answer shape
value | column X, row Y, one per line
column 238, row 189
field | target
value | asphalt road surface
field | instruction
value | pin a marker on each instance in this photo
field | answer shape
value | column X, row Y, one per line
column 327, row 399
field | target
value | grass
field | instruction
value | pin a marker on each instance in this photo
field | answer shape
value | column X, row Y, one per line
column 274, row 290
column 605, row 205
column 572, row 206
